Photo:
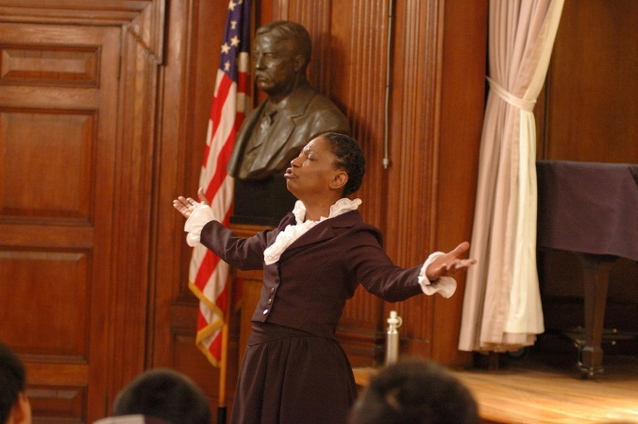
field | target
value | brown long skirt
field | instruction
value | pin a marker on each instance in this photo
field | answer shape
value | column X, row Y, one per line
column 292, row 377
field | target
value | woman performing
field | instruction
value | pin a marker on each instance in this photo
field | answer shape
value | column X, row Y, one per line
column 294, row 370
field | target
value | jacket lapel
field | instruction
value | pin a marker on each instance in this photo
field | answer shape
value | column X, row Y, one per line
column 242, row 139
column 323, row 231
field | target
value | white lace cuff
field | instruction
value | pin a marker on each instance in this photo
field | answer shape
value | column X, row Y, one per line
column 201, row 215
column 445, row 286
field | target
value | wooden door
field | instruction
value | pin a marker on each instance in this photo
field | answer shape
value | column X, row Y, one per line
column 58, row 109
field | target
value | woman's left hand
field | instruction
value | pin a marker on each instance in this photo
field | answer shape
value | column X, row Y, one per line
column 450, row 263
column 186, row 205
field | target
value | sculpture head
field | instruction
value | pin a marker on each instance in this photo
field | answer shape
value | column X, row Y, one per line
column 281, row 54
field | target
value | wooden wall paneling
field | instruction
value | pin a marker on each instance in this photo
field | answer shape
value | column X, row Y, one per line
column 129, row 34
column 463, row 70
column 141, row 55
column 358, row 57
column 275, row 10
column 56, row 128
column 358, row 78
column 166, row 252
column 315, row 17
column 82, row 11
column 411, row 201
column 187, row 79
column 175, row 173
column 592, row 84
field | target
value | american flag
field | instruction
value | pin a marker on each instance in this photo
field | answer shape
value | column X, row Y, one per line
column 208, row 275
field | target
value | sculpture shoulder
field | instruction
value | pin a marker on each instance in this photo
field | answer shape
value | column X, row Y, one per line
column 326, row 115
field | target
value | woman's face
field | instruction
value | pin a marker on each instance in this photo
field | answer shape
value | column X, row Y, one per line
column 312, row 172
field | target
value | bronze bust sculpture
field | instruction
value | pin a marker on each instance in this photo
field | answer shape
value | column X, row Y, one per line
column 276, row 131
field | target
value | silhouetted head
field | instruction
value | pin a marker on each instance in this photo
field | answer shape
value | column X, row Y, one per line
column 413, row 391
column 165, row 394
column 13, row 400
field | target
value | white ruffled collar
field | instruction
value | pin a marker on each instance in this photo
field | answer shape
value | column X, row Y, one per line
column 292, row 232
column 342, row 205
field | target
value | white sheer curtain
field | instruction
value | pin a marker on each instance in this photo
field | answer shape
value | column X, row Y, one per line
column 502, row 308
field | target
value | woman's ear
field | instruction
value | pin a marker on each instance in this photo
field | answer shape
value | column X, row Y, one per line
column 339, row 180
column 21, row 411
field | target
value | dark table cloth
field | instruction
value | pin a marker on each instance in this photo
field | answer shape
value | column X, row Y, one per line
column 588, row 207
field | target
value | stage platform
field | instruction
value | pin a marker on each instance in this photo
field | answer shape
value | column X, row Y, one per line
column 544, row 389
column 549, row 389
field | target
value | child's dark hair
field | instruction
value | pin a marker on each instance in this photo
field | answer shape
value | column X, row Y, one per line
column 414, row 391
column 12, row 380
column 349, row 157
column 166, row 394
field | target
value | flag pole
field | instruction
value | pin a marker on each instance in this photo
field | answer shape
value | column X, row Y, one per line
column 223, row 365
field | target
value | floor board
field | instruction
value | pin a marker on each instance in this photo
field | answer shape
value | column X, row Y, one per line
column 549, row 389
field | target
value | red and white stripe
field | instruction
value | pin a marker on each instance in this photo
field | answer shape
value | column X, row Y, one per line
column 208, row 275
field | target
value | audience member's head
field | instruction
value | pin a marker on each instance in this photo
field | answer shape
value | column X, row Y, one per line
column 164, row 394
column 413, row 391
column 14, row 405
column 131, row 419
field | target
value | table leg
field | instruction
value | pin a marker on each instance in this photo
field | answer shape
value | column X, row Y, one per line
column 596, row 280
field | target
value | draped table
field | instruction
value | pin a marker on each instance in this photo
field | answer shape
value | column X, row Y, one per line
column 590, row 209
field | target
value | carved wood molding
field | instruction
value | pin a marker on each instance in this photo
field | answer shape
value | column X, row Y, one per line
column 142, row 51
column 414, row 137
column 144, row 19
column 133, row 199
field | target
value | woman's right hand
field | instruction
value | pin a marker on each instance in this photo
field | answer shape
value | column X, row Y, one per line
column 186, row 205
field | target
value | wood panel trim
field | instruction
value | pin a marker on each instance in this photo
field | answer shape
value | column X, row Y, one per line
column 412, row 199
column 142, row 51
column 132, row 211
column 280, row 10
column 362, row 51
column 54, row 237
column 143, row 18
column 315, row 17
column 172, row 305
column 18, row 66
column 461, row 121
column 62, row 374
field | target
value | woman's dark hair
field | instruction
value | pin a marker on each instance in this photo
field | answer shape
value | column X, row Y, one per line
column 349, row 157
column 166, row 394
column 12, row 380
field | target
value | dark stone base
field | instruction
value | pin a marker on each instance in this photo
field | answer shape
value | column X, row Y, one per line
column 262, row 202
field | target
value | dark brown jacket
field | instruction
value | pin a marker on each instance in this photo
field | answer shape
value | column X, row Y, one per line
column 307, row 288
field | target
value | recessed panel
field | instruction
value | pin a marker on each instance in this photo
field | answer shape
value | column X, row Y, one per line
column 45, row 303
column 592, row 84
column 188, row 359
column 46, row 159
column 58, row 404
column 49, row 65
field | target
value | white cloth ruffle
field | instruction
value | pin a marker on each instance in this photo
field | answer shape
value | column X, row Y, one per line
column 202, row 214
column 445, row 286
column 293, row 232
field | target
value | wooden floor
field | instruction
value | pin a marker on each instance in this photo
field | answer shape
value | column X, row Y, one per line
column 537, row 389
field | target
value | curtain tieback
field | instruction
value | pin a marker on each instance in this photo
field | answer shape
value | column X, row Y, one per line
column 526, row 105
